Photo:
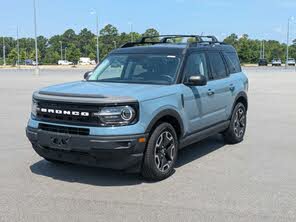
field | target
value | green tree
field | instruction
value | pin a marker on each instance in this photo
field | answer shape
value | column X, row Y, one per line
column 42, row 47
column 232, row 40
column 92, row 56
column 33, row 56
column 151, row 32
column 109, row 30
column 86, row 40
column 23, row 54
column 73, row 54
column 51, row 56
column 12, row 57
column 108, row 35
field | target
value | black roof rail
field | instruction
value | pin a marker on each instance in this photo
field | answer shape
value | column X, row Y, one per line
column 164, row 38
column 213, row 38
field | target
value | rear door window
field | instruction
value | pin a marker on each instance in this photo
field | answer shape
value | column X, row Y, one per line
column 217, row 65
column 232, row 61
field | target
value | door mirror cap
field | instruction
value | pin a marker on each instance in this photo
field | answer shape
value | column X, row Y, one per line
column 196, row 80
column 87, row 75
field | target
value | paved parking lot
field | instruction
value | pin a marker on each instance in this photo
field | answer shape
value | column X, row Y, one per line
column 251, row 181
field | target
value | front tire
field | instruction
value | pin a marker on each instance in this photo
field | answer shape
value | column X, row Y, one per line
column 161, row 153
column 237, row 128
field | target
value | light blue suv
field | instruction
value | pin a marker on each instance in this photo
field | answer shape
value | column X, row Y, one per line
column 143, row 103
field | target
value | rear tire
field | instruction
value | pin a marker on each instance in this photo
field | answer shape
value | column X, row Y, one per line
column 161, row 153
column 237, row 128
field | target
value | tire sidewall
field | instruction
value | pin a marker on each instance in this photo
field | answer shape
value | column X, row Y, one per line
column 238, row 106
column 149, row 160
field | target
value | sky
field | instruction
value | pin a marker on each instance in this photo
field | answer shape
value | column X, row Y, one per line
column 260, row 19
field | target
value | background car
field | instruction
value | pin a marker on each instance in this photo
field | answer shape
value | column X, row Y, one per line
column 86, row 61
column 64, row 62
column 291, row 62
column 262, row 62
column 30, row 62
column 276, row 62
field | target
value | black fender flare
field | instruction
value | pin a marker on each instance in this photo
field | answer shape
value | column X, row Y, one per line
column 238, row 96
column 164, row 113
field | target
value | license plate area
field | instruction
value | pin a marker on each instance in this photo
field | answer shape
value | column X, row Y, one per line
column 55, row 141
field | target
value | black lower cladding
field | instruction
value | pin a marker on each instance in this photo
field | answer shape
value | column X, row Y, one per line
column 114, row 152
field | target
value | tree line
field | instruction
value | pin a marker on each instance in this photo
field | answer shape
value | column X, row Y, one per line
column 83, row 44
column 249, row 49
column 74, row 46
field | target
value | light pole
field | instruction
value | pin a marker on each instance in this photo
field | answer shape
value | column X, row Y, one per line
column 18, row 48
column 4, row 60
column 65, row 53
column 98, row 51
column 262, row 50
column 131, row 31
column 115, row 46
column 261, row 46
column 36, row 44
column 288, row 39
column 61, row 49
column 97, row 30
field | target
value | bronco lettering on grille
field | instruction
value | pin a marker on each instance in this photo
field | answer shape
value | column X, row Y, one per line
column 64, row 112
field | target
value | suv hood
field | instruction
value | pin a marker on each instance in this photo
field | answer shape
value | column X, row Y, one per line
column 117, row 92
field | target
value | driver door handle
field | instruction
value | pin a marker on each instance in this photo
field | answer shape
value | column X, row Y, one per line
column 210, row 92
column 232, row 87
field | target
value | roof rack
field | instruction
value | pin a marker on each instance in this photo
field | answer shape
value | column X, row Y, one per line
column 199, row 39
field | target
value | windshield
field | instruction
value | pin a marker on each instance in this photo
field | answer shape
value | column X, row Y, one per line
column 137, row 68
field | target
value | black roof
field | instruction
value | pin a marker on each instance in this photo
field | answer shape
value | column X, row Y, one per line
column 176, row 49
column 164, row 46
column 161, row 48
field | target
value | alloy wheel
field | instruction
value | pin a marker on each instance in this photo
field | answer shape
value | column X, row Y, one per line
column 239, row 122
column 164, row 151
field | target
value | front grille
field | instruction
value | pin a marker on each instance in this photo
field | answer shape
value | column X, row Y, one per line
column 68, row 119
column 64, row 129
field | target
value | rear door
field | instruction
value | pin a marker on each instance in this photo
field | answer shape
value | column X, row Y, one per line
column 235, row 82
column 220, row 88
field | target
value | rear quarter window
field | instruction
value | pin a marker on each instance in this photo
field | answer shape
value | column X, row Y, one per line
column 232, row 61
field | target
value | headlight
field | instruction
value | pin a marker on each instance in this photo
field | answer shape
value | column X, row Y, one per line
column 34, row 108
column 118, row 115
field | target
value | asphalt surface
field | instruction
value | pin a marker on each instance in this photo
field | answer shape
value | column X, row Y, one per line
column 251, row 181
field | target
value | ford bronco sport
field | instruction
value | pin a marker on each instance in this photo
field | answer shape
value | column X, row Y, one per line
column 143, row 103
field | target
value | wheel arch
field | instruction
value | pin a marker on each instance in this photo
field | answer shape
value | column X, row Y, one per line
column 241, row 97
column 168, row 115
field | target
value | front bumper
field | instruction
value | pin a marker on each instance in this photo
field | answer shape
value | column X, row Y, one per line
column 115, row 152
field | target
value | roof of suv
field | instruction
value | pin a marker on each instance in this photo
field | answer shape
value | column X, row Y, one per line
column 172, row 48
column 163, row 46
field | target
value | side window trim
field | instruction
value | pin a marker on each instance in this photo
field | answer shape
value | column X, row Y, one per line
column 210, row 71
column 225, row 66
column 237, row 65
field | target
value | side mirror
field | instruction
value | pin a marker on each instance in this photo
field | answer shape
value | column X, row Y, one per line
column 196, row 80
column 87, row 74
